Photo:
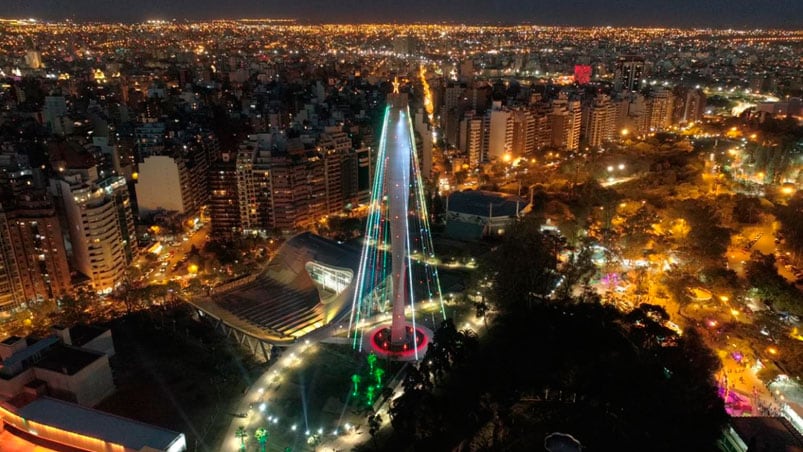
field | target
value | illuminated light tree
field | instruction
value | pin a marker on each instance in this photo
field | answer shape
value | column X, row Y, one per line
column 397, row 263
column 262, row 437
column 355, row 381
column 378, row 373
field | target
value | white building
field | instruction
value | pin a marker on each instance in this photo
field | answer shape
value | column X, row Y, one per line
column 163, row 183
column 102, row 243
column 500, row 134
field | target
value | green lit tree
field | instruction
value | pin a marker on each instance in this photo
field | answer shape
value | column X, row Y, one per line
column 355, row 385
column 242, row 435
column 378, row 374
column 262, row 437
column 370, row 394
column 371, row 358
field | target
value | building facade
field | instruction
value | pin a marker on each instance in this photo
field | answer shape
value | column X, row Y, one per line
column 101, row 226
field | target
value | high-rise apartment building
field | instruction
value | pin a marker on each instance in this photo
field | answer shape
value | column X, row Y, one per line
column 116, row 187
column 253, row 182
column 100, row 225
column 282, row 185
column 688, row 106
column 424, row 133
column 659, row 110
column 224, row 209
column 524, row 132
column 33, row 260
column 53, row 113
column 629, row 72
column 298, row 189
column 175, row 178
column 471, row 139
column 33, row 229
column 500, row 132
column 565, row 121
column 11, row 292
column 601, row 121
column 163, row 184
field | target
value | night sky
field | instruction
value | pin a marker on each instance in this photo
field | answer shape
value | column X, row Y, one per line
column 693, row 13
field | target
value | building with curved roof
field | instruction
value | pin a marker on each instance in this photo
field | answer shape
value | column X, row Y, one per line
column 307, row 284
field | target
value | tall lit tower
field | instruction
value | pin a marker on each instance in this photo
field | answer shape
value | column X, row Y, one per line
column 397, row 265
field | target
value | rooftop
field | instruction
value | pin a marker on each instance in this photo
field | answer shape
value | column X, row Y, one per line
column 11, row 340
column 30, row 351
column 283, row 302
column 82, row 334
column 485, row 203
column 97, row 424
column 68, row 360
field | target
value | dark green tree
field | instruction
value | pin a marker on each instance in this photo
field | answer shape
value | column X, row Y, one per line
column 707, row 239
column 481, row 310
column 523, row 267
column 746, row 209
column 374, row 424
column 76, row 308
column 791, row 219
column 773, row 288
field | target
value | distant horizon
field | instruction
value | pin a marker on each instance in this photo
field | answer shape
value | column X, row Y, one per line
column 296, row 21
column 685, row 14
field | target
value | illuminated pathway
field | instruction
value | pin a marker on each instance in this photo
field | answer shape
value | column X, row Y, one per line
column 397, row 222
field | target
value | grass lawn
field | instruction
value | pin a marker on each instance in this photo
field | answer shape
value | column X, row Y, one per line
column 314, row 394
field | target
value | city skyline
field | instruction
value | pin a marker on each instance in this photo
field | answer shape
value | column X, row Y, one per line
column 223, row 235
column 783, row 14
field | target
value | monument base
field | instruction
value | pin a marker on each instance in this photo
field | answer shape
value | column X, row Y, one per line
column 413, row 348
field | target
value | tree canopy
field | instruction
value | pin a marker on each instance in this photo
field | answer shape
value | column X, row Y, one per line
column 589, row 370
column 611, row 380
column 529, row 259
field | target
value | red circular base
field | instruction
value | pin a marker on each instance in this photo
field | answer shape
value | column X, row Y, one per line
column 414, row 347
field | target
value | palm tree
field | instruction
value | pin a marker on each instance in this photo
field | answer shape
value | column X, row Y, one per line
column 482, row 311
column 374, row 424
column 242, row 435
